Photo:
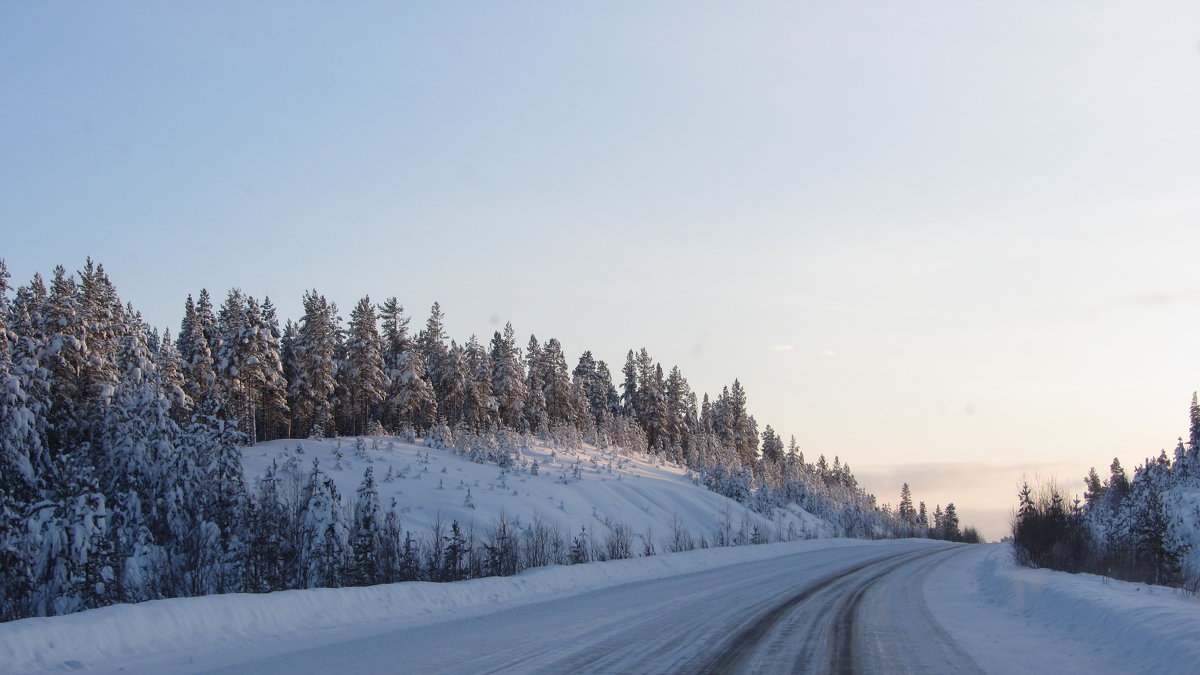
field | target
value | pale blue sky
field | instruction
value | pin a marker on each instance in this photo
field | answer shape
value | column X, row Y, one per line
column 975, row 224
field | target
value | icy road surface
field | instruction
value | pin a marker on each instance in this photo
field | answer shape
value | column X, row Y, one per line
column 833, row 605
column 843, row 610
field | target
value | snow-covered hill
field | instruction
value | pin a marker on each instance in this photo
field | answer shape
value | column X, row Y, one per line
column 589, row 489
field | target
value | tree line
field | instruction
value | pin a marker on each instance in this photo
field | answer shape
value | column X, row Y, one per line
column 1135, row 529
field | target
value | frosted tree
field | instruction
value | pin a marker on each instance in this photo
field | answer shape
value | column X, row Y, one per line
column 431, row 343
column 679, row 410
column 413, row 397
column 65, row 360
column 269, row 550
column 481, row 405
column 314, row 349
column 139, row 433
column 235, row 360
column 535, row 399
column 452, row 383
column 508, row 380
column 905, row 511
column 604, row 377
column 587, row 378
column 651, row 398
column 271, row 383
column 323, row 535
column 364, row 569
column 361, row 374
column 394, row 331
column 20, row 441
column 772, row 447
column 557, row 391
column 169, row 365
column 104, row 323
column 629, row 388
column 196, row 357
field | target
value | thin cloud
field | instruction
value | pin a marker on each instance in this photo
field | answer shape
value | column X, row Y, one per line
column 782, row 348
column 828, row 353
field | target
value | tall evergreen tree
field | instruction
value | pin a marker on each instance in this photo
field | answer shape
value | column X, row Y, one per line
column 197, row 359
column 362, row 373
column 366, row 534
column 508, row 380
column 315, row 347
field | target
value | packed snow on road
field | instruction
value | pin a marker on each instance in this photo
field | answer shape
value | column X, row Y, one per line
column 740, row 608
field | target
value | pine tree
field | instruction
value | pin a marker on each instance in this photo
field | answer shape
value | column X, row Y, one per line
column 905, row 511
column 508, row 381
column 453, row 385
column 949, row 523
column 272, row 395
column 197, row 359
column 556, row 384
column 772, row 446
column 315, row 347
column 1095, row 489
column 431, row 343
column 362, row 373
column 414, row 399
column 20, row 441
column 629, row 388
column 365, row 541
column 481, row 404
column 323, row 534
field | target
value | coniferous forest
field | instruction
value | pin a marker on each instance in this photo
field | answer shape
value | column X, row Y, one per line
column 121, row 474
column 1141, row 529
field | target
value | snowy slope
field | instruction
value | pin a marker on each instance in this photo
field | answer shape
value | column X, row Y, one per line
column 589, row 488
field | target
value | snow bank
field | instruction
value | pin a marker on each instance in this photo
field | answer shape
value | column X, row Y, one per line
column 1151, row 628
column 111, row 635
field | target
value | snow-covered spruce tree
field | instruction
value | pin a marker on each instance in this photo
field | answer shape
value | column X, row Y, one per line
column 196, row 356
column 772, row 446
column 215, row 444
column 361, row 375
column 365, row 568
column 270, row 557
column 20, row 437
column 272, row 396
column 431, row 343
column 235, row 360
column 481, row 405
column 413, row 397
column 535, row 398
column 557, row 391
column 508, row 380
column 452, row 385
column 169, row 366
column 394, row 332
column 314, row 349
column 652, row 413
column 323, row 535
column 905, row 512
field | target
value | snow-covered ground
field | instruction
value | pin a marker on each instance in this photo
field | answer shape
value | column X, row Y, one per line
column 1016, row 619
column 1007, row 619
column 571, row 489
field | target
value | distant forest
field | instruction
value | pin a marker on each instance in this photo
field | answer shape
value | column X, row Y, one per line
column 121, row 473
column 1140, row 529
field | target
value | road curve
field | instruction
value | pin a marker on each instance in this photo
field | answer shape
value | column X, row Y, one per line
column 857, row 609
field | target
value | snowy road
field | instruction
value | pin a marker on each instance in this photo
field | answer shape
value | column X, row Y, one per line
column 832, row 605
column 838, row 610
